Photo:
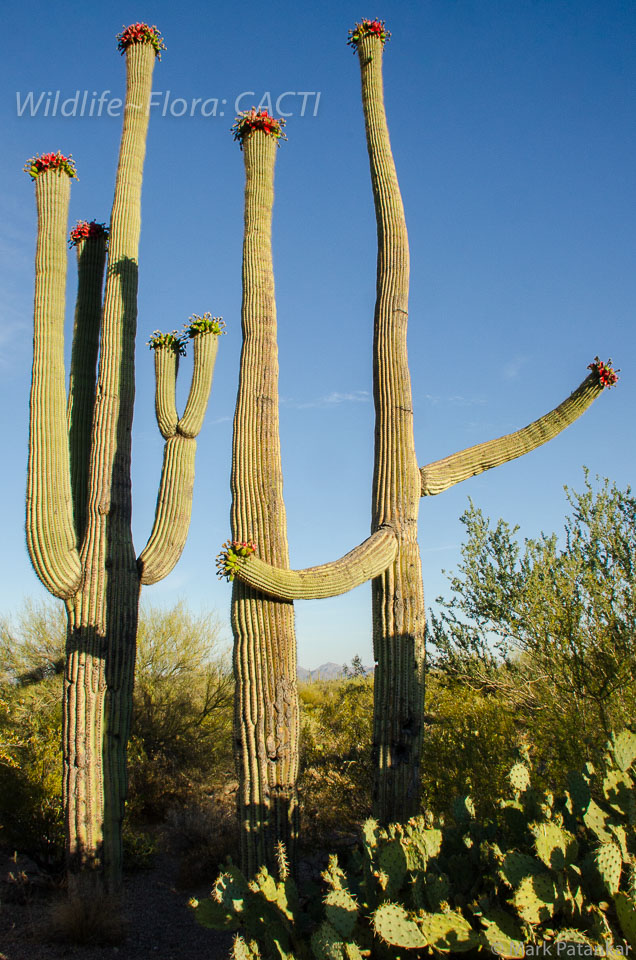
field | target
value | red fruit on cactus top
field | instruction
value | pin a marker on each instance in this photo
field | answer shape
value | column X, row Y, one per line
column 50, row 161
column 250, row 120
column 606, row 374
column 84, row 229
column 140, row 33
column 368, row 28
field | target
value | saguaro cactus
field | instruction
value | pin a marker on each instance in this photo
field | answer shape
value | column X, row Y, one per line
column 398, row 605
column 391, row 555
column 78, row 485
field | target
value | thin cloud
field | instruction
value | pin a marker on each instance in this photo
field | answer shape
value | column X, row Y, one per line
column 329, row 400
column 512, row 369
column 455, row 401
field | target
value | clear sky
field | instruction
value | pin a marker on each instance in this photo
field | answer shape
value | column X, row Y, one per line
column 513, row 126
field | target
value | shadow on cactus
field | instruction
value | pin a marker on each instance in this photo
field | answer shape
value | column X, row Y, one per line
column 539, row 871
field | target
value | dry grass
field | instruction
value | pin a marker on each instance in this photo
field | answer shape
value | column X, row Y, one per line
column 85, row 919
column 202, row 836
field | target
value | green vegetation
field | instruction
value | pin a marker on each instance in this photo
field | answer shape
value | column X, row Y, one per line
column 181, row 727
column 548, row 630
column 537, row 871
column 502, row 859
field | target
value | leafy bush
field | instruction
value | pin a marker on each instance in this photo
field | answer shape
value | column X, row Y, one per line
column 181, row 739
column 549, row 627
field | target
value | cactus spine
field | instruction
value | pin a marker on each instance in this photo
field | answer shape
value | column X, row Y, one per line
column 398, row 600
column 78, row 482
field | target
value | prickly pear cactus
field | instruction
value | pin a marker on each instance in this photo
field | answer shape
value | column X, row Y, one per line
column 563, row 873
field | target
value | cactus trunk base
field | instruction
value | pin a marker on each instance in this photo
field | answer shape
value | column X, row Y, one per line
column 97, row 704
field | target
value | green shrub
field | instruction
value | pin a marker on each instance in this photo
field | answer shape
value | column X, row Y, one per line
column 335, row 768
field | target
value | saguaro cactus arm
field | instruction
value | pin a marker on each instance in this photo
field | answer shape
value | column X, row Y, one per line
column 50, row 531
column 442, row 474
column 364, row 562
column 167, row 347
column 90, row 241
column 174, row 501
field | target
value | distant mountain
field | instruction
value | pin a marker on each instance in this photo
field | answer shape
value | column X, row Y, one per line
column 326, row 671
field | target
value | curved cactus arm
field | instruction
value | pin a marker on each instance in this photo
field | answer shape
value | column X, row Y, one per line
column 442, row 474
column 172, row 515
column 90, row 242
column 174, row 502
column 364, row 562
column 50, row 532
column 205, row 347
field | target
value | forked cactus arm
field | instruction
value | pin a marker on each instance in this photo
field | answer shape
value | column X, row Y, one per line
column 364, row 562
column 174, row 501
column 91, row 260
column 50, row 532
column 442, row 474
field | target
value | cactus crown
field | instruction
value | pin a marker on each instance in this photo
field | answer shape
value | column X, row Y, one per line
column 606, row 374
column 84, row 229
column 140, row 33
column 50, row 161
column 172, row 341
column 231, row 555
column 205, row 324
column 250, row 120
column 368, row 28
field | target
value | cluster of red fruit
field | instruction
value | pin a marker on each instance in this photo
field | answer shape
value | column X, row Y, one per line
column 50, row 161
column 84, row 229
column 140, row 33
column 232, row 552
column 368, row 28
column 254, row 119
column 606, row 374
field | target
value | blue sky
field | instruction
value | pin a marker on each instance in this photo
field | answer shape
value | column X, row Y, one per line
column 514, row 134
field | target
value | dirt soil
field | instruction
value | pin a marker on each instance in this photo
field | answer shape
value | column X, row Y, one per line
column 159, row 923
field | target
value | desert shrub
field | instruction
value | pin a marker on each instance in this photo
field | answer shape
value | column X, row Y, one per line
column 469, row 745
column 30, row 771
column 335, row 770
column 181, row 740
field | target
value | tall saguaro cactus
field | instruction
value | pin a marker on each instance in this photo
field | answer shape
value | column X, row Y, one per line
column 79, row 496
column 266, row 702
column 266, row 719
column 398, row 604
